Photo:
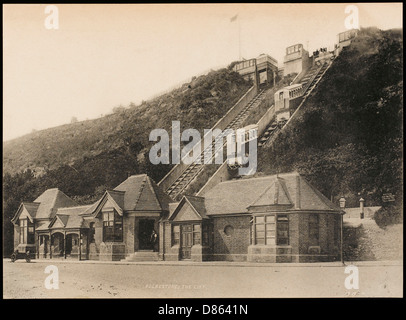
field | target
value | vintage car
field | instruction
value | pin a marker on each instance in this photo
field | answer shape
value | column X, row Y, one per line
column 27, row 255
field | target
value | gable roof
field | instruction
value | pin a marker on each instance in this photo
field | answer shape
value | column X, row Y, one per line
column 198, row 204
column 114, row 197
column 236, row 196
column 195, row 203
column 50, row 201
column 69, row 217
column 136, row 193
column 117, row 196
column 30, row 207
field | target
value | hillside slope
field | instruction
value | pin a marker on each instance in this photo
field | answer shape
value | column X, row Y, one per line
column 198, row 104
column 348, row 136
column 366, row 241
column 85, row 158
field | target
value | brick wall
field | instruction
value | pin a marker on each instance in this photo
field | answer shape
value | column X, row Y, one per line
column 16, row 236
column 328, row 250
column 128, row 234
column 94, row 248
column 170, row 253
column 294, row 233
column 234, row 246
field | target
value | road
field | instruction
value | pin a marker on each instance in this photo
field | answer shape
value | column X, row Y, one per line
column 118, row 280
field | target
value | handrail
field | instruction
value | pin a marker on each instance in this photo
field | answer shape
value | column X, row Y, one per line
column 178, row 169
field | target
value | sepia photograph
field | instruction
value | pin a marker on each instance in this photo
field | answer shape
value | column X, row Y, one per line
column 160, row 151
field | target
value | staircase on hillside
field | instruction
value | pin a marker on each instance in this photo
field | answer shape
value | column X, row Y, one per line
column 176, row 189
column 143, row 255
column 313, row 77
column 309, row 82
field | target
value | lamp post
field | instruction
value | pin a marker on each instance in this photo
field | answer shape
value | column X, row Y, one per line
column 361, row 204
column 342, row 206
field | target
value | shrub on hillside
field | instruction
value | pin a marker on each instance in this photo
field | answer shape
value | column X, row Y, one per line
column 388, row 215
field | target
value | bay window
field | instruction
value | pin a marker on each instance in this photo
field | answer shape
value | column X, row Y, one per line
column 26, row 232
column 23, row 231
column 271, row 229
column 283, row 230
column 112, row 227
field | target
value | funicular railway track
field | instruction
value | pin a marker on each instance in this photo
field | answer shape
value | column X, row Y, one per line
column 310, row 82
column 194, row 169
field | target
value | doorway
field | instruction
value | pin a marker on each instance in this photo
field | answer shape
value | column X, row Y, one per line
column 145, row 230
column 186, row 241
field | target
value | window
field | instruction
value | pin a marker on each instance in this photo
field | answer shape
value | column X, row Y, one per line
column 196, row 234
column 31, row 234
column 176, row 235
column 282, row 230
column 23, row 231
column 314, row 229
column 264, row 228
column 271, row 230
column 112, row 227
column 205, row 239
column 26, row 232
column 229, row 230
column 191, row 234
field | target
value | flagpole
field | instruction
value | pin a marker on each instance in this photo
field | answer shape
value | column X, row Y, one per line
column 239, row 38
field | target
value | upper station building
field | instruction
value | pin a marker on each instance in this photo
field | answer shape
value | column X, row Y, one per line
column 263, row 70
column 296, row 60
column 344, row 39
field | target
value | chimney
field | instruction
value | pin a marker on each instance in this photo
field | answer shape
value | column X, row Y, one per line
column 297, row 196
column 361, row 206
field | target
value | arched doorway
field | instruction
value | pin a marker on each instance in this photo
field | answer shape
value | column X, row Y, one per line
column 72, row 245
column 57, row 244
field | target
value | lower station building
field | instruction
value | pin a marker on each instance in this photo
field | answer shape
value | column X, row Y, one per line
column 278, row 218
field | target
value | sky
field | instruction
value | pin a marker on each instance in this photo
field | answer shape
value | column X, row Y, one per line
column 103, row 56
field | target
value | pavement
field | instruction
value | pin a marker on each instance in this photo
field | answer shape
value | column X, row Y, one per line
column 220, row 263
column 106, row 279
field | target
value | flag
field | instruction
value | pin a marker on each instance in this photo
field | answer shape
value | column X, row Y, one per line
column 234, row 18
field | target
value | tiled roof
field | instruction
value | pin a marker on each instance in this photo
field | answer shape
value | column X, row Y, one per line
column 198, row 204
column 73, row 211
column 143, row 194
column 42, row 226
column 236, row 196
column 190, row 206
column 31, row 207
column 117, row 196
column 275, row 194
column 92, row 207
column 71, row 217
column 50, row 201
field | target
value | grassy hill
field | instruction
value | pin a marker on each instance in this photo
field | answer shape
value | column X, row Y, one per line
column 85, row 158
column 348, row 136
column 198, row 104
column 366, row 241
